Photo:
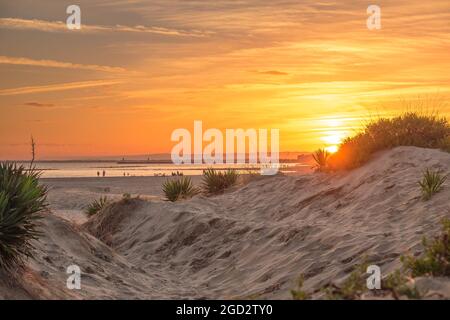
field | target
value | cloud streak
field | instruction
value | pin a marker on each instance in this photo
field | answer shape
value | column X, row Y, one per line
column 58, row 26
column 273, row 73
column 39, row 105
column 58, row 64
column 58, row 87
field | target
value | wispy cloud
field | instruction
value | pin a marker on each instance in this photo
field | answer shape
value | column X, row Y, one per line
column 273, row 73
column 58, row 87
column 39, row 105
column 59, row 26
column 58, row 64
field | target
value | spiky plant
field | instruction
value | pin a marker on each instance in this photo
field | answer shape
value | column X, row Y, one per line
column 431, row 183
column 216, row 181
column 181, row 188
column 97, row 205
column 321, row 158
column 230, row 177
column 22, row 199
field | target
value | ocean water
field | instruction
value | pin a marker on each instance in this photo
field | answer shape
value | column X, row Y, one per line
column 67, row 169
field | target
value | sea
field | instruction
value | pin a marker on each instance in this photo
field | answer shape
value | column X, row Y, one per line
column 82, row 169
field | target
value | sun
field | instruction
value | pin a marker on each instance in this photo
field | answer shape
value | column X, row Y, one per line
column 332, row 149
column 333, row 139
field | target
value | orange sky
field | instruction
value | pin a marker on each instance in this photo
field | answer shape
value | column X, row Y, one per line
column 140, row 69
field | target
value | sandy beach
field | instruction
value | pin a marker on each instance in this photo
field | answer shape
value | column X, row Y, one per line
column 68, row 197
column 251, row 242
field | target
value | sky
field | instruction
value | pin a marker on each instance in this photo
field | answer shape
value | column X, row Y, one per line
column 137, row 70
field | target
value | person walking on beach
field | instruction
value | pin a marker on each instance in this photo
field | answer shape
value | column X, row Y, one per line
column 104, row 173
column 98, row 173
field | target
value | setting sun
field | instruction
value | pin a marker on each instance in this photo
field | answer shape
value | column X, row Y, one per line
column 333, row 138
column 332, row 149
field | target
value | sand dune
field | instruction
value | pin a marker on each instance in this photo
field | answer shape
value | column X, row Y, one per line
column 252, row 242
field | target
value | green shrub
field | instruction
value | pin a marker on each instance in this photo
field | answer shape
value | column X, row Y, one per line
column 431, row 183
column 181, row 188
column 397, row 284
column 216, row 181
column 435, row 262
column 126, row 197
column 321, row 157
column 97, row 205
column 299, row 293
column 352, row 288
column 436, row 258
column 408, row 129
column 22, row 199
column 445, row 144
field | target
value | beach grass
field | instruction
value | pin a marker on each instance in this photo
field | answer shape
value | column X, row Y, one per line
column 97, row 205
column 407, row 129
column 321, row 157
column 215, row 181
column 22, row 199
column 435, row 260
column 181, row 188
column 299, row 293
column 431, row 183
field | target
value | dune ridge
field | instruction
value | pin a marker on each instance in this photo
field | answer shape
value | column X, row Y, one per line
column 252, row 242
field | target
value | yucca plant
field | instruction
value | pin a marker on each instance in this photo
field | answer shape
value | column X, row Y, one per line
column 216, row 181
column 321, row 158
column 181, row 188
column 431, row 183
column 22, row 199
column 97, row 205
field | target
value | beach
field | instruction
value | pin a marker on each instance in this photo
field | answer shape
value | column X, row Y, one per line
column 252, row 242
column 68, row 197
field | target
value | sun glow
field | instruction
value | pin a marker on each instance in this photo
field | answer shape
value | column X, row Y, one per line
column 333, row 139
column 332, row 149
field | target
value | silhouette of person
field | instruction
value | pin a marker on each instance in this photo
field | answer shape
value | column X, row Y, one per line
column 104, row 173
column 98, row 173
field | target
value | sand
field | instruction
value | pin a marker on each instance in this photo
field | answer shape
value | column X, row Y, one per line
column 69, row 197
column 251, row 242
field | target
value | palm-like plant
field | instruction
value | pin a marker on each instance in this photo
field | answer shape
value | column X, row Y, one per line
column 179, row 189
column 22, row 199
column 431, row 183
column 97, row 205
column 321, row 157
column 216, row 181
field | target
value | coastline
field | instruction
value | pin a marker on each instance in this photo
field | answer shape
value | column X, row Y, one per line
column 251, row 242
